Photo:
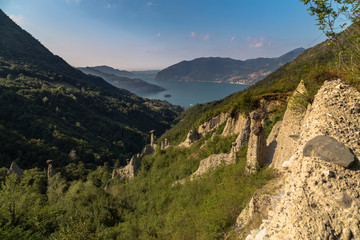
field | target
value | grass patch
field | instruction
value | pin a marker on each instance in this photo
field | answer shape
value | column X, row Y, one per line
column 201, row 209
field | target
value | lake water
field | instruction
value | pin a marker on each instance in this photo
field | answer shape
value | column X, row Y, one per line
column 188, row 94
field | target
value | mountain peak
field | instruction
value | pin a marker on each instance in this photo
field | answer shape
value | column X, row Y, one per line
column 227, row 70
column 114, row 71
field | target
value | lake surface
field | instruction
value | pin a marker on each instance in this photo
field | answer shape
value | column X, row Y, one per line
column 188, row 94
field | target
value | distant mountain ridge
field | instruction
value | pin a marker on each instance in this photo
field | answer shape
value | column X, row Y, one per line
column 114, row 71
column 225, row 70
column 49, row 109
column 118, row 78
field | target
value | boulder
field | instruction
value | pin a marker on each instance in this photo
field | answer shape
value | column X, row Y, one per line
column 330, row 150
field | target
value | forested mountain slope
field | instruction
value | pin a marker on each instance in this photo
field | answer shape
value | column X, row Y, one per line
column 49, row 109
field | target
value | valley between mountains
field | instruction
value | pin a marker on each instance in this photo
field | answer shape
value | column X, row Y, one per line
column 83, row 158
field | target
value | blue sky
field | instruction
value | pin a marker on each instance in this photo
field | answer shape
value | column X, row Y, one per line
column 153, row 34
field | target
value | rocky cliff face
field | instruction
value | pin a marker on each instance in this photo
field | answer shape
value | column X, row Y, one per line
column 236, row 125
column 315, row 149
column 321, row 195
column 257, row 142
column 134, row 165
column 213, row 123
column 14, row 169
column 289, row 132
column 210, row 163
column 213, row 161
column 130, row 170
column 192, row 137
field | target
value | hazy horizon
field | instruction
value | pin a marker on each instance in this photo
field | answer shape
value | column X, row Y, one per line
column 145, row 69
column 152, row 35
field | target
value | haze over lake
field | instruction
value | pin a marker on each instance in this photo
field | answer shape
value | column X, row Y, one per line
column 188, row 94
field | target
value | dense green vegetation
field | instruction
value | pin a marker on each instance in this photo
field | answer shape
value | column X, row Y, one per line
column 99, row 127
column 147, row 207
column 49, row 109
column 202, row 209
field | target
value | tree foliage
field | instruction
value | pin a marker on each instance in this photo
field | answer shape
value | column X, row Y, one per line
column 49, row 109
column 42, row 119
column 339, row 20
column 333, row 15
column 149, row 206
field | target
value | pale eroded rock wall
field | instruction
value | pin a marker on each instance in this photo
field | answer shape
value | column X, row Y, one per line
column 236, row 124
column 321, row 198
column 134, row 165
column 213, row 123
column 191, row 137
column 239, row 125
column 272, row 142
column 288, row 136
column 210, row 163
column 242, row 128
column 255, row 158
